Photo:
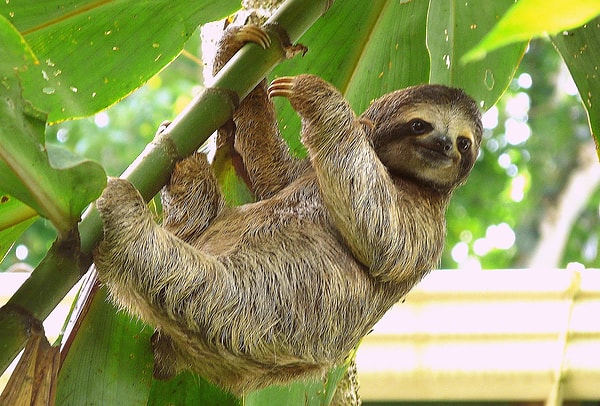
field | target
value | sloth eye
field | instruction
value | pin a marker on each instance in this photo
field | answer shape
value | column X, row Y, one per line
column 463, row 144
column 418, row 126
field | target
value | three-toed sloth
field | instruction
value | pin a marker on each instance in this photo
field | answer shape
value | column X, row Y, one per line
column 285, row 287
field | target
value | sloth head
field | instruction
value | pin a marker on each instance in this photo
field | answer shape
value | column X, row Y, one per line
column 428, row 133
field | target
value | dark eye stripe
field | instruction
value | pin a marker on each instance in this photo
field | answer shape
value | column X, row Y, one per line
column 419, row 127
column 463, row 144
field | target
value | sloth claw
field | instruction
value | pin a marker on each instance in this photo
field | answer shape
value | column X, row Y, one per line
column 254, row 34
column 283, row 86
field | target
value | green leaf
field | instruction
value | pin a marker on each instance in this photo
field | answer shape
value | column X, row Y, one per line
column 232, row 186
column 534, row 18
column 367, row 49
column 15, row 218
column 109, row 361
column 17, row 55
column 394, row 55
column 363, row 48
column 454, row 27
column 93, row 53
column 189, row 389
column 580, row 50
column 314, row 392
column 51, row 181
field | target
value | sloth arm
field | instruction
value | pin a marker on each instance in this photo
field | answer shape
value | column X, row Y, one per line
column 150, row 271
column 357, row 190
column 267, row 158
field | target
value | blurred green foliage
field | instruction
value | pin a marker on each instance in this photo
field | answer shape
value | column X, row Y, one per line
column 545, row 160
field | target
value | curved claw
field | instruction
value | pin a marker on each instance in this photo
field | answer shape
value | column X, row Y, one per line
column 252, row 33
column 282, row 86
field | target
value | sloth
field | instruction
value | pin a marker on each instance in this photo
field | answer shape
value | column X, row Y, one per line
column 284, row 288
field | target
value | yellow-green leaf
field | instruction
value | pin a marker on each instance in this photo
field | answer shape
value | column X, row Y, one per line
column 533, row 18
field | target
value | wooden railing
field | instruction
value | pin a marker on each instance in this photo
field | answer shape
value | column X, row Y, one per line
column 488, row 335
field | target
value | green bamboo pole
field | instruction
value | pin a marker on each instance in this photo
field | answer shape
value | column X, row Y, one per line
column 59, row 270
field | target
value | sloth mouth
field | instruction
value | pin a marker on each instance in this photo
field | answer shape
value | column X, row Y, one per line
column 434, row 153
column 437, row 147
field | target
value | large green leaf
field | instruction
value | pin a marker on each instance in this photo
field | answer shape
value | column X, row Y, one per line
column 367, row 49
column 453, row 28
column 108, row 361
column 533, row 18
column 51, row 181
column 580, row 49
column 189, row 389
column 57, row 188
column 394, row 55
column 307, row 393
column 93, row 53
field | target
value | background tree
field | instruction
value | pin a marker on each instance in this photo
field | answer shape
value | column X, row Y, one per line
column 365, row 48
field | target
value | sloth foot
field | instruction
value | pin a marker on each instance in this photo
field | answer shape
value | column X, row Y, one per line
column 120, row 202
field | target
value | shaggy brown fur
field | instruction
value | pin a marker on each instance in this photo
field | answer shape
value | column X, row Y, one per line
column 284, row 288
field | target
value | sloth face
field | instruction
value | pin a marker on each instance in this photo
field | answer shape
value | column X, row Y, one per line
column 429, row 134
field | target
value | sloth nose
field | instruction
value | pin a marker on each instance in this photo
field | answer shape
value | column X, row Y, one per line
column 443, row 143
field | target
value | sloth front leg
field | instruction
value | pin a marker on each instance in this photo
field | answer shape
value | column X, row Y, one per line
column 357, row 190
column 266, row 156
column 146, row 268
column 155, row 275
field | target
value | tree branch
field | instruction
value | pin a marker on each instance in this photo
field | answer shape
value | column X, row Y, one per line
column 557, row 224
